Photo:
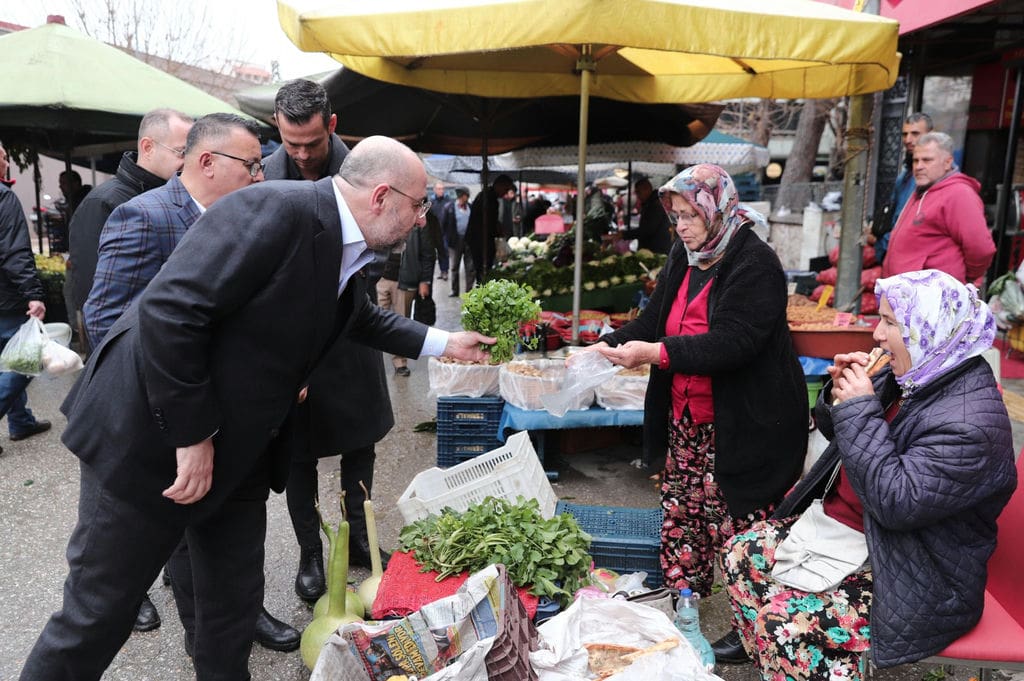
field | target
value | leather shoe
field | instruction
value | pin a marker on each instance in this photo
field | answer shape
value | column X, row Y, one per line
column 147, row 618
column 274, row 634
column 453, row 294
column 729, row 649
column 309, row 582
column 41, row 426
column 359, row 556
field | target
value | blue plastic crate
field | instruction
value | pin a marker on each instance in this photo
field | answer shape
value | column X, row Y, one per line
column 546, row 609
column 458, row 415
column 454, row 448
column 624, row 539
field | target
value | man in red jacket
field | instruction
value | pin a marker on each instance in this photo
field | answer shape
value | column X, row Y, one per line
column 942, row 226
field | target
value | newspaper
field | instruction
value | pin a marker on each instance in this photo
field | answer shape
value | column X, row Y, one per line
column 443, row 641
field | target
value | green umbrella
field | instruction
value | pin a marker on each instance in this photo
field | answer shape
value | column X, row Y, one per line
column 62, row 90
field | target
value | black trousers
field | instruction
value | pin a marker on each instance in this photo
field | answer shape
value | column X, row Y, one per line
column 116, row 552
column 356, row 466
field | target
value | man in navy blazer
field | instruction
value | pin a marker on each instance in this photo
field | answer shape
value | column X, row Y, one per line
column 175, row 415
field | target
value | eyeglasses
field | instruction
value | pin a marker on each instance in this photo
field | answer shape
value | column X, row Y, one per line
column 421, row 206
column 685, row 217
column 177, row 152
column 254, row 167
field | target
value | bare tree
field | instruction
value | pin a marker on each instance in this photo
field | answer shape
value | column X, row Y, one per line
column 800, row 164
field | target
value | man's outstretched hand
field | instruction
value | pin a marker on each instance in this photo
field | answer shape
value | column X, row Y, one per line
column 465, row 345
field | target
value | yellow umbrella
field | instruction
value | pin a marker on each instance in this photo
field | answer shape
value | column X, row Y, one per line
column 654, row 51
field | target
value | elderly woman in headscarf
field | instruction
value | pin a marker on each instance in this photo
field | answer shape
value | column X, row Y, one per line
column 919, row 467
column 726, row 407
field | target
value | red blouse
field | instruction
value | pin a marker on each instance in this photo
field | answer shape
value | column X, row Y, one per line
column 688, row 318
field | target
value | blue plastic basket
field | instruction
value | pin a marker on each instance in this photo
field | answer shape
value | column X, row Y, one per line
column 624, row 539
column 454, row 448
column 469, row 414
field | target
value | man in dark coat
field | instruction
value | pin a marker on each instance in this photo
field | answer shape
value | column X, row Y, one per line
column 159, row 154
column 328, row 423
column 21, row 294
column 484, row 225
column 654, row 231
column 210, row 360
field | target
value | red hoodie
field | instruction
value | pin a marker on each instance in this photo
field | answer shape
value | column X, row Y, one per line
column 942, row 228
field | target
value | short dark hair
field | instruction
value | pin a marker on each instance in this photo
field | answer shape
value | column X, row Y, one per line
column 299, row 100
column 502, row 183
column 461, row 191
column 218, row 125
column 919, row 117
column 71, row 175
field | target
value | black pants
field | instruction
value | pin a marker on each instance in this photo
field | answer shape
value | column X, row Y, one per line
column 117, row 550
column 356, row 466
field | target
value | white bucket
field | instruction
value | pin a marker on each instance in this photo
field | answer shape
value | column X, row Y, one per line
column 59, row 332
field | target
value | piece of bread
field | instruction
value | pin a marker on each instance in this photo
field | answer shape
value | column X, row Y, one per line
column 877, row 360
column 607, row 659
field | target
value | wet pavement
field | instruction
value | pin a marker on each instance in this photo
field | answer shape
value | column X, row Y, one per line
column 38, row 501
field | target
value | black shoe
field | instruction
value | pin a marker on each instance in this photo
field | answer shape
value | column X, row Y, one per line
column 402, row 371
column 359, row 555
column 147, row 618
column 453, row 294
column 41, row 426
column 190, row 645
column 274, row 634
column 166, row 577
column 309, row 582
column 729, row 649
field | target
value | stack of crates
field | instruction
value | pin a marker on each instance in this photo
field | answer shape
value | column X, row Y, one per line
column 624, row 539
column 466, row 427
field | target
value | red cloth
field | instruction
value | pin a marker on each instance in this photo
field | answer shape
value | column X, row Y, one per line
column 690, row 319
column 404, row 589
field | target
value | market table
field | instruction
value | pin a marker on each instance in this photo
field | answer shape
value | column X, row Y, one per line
column 539, row 421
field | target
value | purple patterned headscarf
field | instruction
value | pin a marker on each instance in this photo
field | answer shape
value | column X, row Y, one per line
column 943, row 322
column 712, row 191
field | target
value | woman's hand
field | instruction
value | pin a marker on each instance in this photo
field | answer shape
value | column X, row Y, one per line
column 632, row 354
column 849, row 378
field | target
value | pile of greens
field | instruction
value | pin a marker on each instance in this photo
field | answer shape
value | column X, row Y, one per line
column 497, row 308
column 549, row 556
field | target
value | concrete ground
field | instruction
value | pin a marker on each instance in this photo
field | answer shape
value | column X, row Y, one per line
column 38, row 500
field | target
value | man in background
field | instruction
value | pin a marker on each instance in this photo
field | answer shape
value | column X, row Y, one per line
column 943, row 224
column 654, row 231
column 483, row 217
column 21, row 297
column 914, row 126
column 158, row 155
column 438, row 202
column 454, row 224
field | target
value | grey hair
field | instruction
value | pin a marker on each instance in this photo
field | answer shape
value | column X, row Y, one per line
column 940, row 139
column 159, row 120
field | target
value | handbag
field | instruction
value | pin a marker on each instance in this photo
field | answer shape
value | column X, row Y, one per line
column 424, row 310
column 663, row 599
column 819, row 552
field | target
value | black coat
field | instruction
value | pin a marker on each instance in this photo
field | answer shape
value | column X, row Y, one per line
column 219, row 344
column 759, row 392
column 655, row 229
column 335, row 422
column 19, row 282
column 92, row 213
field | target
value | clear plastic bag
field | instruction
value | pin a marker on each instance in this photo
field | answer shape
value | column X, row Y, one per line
column 24, row 352
column 59, row 360
column 584, row 372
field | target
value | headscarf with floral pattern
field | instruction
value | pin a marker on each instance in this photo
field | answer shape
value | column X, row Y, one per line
column 713, row 193
column 943, row 322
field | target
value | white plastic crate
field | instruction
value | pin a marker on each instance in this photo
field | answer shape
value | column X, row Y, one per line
column 507, row 472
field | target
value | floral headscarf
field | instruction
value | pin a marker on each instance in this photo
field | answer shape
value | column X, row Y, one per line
column 712, row 191
column 943, row 322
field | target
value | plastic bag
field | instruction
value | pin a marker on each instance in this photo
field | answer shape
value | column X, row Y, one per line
column 59, row 360
column 24, row 352
column 1012, row 299
column 585, row 371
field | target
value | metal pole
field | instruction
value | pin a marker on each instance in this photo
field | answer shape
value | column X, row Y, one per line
column 37, row 179
column 848, row 288
column 1003, row 199
column 586, row 67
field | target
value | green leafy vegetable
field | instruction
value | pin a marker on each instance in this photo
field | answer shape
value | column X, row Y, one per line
column 497, row 308
column 549, row 556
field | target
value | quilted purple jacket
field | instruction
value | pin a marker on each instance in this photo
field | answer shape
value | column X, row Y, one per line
column 932, row 483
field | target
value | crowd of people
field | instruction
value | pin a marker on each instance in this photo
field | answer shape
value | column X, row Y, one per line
column 224, row 297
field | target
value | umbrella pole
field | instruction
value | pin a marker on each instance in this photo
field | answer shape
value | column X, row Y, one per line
column 37, row 180
column 586, row 69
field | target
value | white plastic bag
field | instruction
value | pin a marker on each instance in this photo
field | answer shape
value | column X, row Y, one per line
column 584, row 372
column 59, row 360
column 24, row 352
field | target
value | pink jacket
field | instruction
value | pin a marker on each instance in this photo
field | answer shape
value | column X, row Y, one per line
column 942, row 228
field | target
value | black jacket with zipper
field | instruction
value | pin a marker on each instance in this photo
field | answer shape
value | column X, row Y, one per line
column 19, row 282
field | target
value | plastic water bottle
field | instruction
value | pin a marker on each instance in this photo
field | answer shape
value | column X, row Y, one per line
column 688, row 622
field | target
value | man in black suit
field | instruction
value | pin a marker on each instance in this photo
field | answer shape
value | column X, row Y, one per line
column 175, row 417
column 328, row 422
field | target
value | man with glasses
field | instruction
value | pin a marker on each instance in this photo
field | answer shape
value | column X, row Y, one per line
column 178, row 417
column 328, row 423
column 221, row 154
column 158, row 155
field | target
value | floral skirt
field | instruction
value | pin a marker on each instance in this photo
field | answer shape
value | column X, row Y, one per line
column 792, row 635
column 697, row 523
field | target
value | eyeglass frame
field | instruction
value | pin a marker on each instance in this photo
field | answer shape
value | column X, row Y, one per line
column 422, row 206
column 675, row 216
column 180, row 153
column 254, row 167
